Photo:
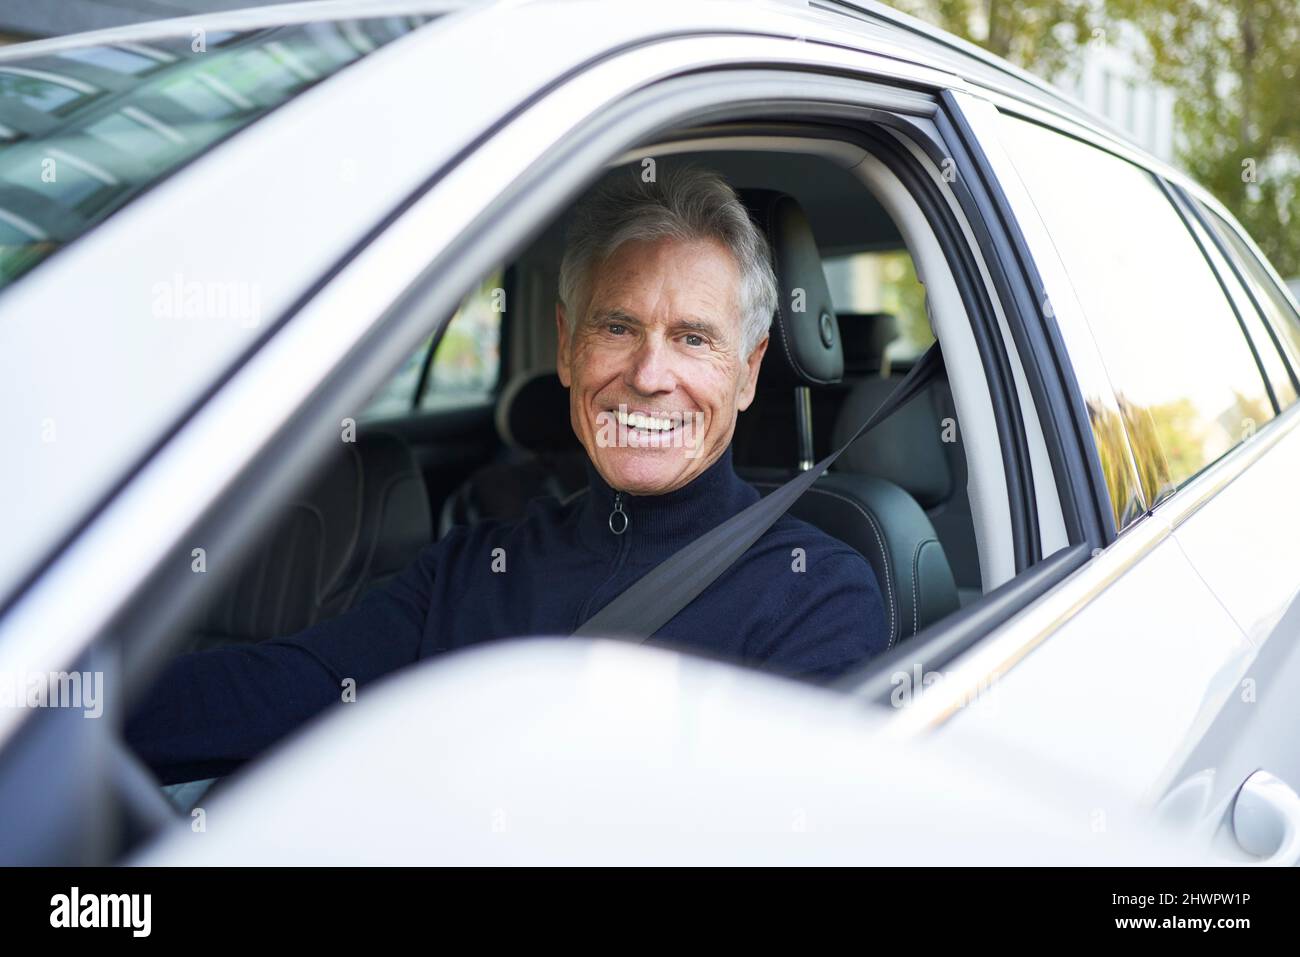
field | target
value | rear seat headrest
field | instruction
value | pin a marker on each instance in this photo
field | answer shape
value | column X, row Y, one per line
column 865, row 336
column 805, row 345
column 532, row 414
column 907, row 448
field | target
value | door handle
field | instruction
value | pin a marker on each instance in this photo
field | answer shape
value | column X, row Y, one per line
column 1266, row 820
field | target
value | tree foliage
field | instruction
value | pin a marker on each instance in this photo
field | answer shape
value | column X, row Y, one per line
column 1234, row 66
column 1234, row 69
column 1039, row 35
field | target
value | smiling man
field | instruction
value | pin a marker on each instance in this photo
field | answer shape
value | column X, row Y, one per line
column 667, row 293
column 664, row 349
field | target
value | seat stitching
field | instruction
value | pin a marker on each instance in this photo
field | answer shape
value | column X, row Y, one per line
column 889, row 578
column 795, row 364
column 916, row 557
column 768, row 220
column 880, row 543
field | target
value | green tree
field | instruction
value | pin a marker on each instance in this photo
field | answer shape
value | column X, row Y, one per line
column 1234, row 69
column 1039, row 35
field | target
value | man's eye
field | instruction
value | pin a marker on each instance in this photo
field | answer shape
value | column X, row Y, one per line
column 616, row 328
column 694, row 339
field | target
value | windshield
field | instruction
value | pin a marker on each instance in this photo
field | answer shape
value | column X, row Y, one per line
column 84, row 131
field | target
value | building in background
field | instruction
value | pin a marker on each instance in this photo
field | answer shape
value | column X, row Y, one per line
column 1110, row 80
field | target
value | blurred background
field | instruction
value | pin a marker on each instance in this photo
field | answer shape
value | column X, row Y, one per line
column 1208, row 85
column 1212, row 86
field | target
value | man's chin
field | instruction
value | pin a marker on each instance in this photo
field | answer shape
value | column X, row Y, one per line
column 646, row 471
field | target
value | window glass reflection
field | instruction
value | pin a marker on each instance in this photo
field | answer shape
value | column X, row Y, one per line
column 1187, row 387
column 84, row 131
column 1280, row 313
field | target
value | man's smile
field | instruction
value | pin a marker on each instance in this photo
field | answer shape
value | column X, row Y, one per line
column 651, row 428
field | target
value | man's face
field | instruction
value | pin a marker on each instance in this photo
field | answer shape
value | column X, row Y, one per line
column 654, row 368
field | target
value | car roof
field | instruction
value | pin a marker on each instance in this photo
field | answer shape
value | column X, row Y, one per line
column 921, row 43
column 249, row 18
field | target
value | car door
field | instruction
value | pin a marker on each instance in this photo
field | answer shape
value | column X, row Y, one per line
column 212, row 462
column 1125, row 664
column 1238, row 784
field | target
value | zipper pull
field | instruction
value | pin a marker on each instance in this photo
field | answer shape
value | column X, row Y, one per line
column 618, row 519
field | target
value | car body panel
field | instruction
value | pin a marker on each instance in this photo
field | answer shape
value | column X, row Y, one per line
column 1118, row 687
column 1243, row 540
column 577, row 752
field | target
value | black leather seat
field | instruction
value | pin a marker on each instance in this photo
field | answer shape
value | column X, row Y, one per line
column 543, row 457
column 871, row 514
column 883, row 524
column 918, row 448
column 360, row 522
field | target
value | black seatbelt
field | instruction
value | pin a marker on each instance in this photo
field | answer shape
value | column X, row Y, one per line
column 652, row 600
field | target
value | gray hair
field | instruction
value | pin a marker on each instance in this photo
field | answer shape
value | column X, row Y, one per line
column 686, row 203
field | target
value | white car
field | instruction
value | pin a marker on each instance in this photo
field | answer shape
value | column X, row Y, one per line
column 231, row 245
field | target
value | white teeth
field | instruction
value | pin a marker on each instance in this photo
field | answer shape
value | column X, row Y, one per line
column 649, row 423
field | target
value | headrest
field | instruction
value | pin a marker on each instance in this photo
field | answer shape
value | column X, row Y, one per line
column 533, row 414
column 865, row 336
column 907, row 448
column 805, row 345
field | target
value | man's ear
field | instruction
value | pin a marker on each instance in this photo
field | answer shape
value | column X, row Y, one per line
column 752, row 364
column 561, row 345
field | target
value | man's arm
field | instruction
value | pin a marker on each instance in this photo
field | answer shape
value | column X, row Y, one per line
column 211, row 711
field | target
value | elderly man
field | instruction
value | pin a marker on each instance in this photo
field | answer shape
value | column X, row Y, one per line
column 667, row 295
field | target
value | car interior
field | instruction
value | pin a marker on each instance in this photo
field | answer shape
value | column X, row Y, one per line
column 898, row 494
column 475, row 424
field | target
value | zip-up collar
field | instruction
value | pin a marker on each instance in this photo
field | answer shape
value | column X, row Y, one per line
column 655, row 526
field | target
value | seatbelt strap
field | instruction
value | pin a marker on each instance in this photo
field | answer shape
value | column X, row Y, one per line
column 652, row 600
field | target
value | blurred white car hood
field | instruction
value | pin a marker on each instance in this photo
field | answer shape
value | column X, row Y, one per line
column 567, row 751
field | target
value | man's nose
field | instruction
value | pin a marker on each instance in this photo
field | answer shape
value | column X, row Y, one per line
column 651, row 369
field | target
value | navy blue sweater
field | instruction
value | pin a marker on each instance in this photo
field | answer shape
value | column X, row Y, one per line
column 812, row 618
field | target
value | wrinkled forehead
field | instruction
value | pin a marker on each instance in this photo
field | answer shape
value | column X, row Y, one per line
column 668, row 281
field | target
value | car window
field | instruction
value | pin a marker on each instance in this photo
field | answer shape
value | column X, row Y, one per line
column 1265, row 345
column 1187, row 385
column 85, row 131
column 465, row 367
column 874, row 282
column 1280, row 313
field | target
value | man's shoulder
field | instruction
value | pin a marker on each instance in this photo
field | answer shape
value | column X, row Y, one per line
column 830, row 617
column 792, row 541
column 792, row 532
